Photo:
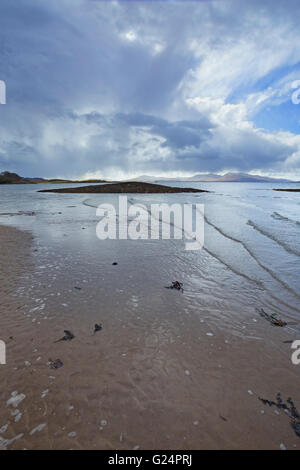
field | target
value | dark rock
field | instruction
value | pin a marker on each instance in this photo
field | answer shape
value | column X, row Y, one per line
column 56, row 364
column 97, row 328
column 67, row 337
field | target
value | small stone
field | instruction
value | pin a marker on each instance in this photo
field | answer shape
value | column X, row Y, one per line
column 18, row 417
column 4, row 428
column 250, row 392
column 38, row 428
column 15, row 399
column 282, row 446
column 72, row 434
column 187, row 372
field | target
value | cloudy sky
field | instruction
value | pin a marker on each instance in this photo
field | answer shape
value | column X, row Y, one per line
column 123, row 88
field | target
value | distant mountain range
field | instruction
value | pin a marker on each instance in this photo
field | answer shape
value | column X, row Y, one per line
column 12, row 178
column 214, row 178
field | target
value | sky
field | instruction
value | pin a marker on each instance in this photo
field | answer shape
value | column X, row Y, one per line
column 117, row 89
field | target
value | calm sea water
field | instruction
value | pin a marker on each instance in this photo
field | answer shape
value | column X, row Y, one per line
column 250, row 257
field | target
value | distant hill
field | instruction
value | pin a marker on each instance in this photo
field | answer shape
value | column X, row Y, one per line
column 214, row 178
column 294, row 190
column 238, row 178
column 12, row 178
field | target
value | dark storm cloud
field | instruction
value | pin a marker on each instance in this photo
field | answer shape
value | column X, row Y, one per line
column 124, row 88
column 176, row 134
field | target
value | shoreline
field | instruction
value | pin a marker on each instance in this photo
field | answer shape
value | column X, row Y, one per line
column 116, row 387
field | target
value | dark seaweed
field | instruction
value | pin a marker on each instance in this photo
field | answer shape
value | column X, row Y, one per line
column 290, row 409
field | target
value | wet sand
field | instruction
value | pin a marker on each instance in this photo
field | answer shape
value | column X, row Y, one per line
column 164, row 382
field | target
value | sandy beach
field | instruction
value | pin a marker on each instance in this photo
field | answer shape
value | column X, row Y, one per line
column 142, row 382
column 149, row 226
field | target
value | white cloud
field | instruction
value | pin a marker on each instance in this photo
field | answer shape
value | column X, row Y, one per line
column 183, row 75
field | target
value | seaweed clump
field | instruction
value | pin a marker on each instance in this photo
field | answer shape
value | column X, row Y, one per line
column 289, row 408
